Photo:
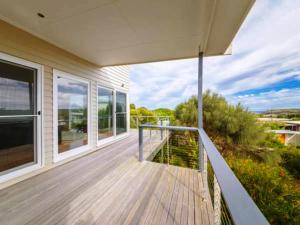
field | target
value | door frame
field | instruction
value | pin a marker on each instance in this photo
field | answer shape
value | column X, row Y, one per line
column 72, row 152
column 115, row 137
column 39, row 129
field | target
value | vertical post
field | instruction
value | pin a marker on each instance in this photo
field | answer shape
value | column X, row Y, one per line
column 161, row 130
column 141, row 150
column 217, row 202
column 200, row 111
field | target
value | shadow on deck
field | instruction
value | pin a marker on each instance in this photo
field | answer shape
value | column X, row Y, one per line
column 109, row 186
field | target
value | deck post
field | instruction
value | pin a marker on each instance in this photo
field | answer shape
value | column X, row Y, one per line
column 141, row 150
column 161, row 131
column 200, row 111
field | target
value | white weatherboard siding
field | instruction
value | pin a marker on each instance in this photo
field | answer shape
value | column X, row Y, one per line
column 18, row 43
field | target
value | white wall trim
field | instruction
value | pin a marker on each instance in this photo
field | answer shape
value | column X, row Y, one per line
column 38, row 148
column 61, row 156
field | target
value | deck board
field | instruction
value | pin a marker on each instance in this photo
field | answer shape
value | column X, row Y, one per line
column 109, row 186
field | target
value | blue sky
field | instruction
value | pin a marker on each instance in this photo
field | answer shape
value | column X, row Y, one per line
column 262, row 73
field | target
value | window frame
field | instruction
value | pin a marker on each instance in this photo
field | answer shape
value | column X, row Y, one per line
column 39, row 129
column 76, row 151
column 115, row 137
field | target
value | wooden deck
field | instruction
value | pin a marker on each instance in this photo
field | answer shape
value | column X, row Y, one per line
column 109, row 186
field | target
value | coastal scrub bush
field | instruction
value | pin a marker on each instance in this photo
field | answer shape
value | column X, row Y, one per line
column 272, row 189
column 290, row 159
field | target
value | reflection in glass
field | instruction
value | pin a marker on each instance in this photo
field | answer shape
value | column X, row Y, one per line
column 17, row 89
column 17, row 97
column 17, row 142
column 121, row 118
column 105, row 113
column 72, row 99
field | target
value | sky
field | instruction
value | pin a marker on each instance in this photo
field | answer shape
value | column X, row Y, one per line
column 262, row 73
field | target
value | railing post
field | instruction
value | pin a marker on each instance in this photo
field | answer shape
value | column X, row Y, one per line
column 141, row 145
column 200, row 111
column 161, row 130
column 217, row 202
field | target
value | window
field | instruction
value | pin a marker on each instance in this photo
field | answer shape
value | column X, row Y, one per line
column 112, row 114
column 20, row 119
column 105, row 113
column 71, row 115
column 121, row 114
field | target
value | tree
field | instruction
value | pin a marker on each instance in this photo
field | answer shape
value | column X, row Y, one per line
column 132, row 106
column 234, row 124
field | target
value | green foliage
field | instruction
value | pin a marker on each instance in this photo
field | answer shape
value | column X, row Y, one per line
column 182, row 149
column 274, row 125
column 165, row 112
column 234, row 123
column 264, row 166
column 132, row 106
column 271, row 188
column 186, row 113
column 144, row 115
column 291, row 160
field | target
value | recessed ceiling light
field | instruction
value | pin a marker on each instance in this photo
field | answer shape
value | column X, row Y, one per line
column 41, row 15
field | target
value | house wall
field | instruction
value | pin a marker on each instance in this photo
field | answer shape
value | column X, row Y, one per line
column 292, row 138
column 18, row 43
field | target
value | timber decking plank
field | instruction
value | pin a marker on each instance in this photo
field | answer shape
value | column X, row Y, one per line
column 178, row 211
column 79, row 203
column 148, row 215
column 162, row 203
column 198, row 201
column 172, row 210
column 122, row 200
column 166, row 205
column 108, row 187
column 191, row 210
column 185, row 202
column 139, row 208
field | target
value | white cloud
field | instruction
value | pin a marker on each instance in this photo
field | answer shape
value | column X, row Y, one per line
column 266, row 51
column 285, row 98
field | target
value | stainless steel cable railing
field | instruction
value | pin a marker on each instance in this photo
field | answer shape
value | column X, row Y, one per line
column 231, row 202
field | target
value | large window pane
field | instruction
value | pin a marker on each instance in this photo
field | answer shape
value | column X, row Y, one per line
column 72, row 98
column 17, row 89
column 17, row 116
column 105, row 113
column 121, row 114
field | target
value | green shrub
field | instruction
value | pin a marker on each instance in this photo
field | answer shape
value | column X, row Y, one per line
column 291, row 161
column 272, row 189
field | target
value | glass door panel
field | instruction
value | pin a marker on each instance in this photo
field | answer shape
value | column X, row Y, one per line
column 18, row 116
column 72, row 114
column 105, row 113
column 121, row 113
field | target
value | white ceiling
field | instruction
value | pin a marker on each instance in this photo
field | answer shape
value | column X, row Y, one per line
column 114, row 32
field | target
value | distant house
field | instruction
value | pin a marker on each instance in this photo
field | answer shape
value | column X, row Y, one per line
column 290, row 133
column 288, row 136
column 292, row 125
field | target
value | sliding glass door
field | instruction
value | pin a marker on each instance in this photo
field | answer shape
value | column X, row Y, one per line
column 71, row 115
column 112, row 114
column 19, row 117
